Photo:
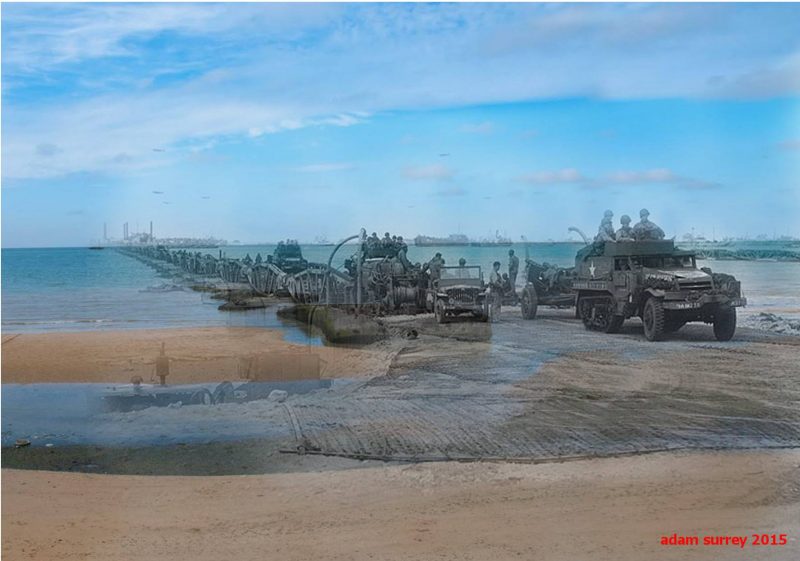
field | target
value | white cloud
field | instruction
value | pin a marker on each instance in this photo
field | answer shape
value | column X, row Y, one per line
column 434, row 172
column 633, row 178
column 562, row 176
column 247, row 70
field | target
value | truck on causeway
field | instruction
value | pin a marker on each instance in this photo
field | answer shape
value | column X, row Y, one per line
column 655, row 281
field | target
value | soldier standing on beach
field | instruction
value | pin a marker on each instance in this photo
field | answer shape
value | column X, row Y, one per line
column 495, row 291
column 513, row 270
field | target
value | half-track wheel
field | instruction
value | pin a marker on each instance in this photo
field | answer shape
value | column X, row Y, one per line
column 653, row 319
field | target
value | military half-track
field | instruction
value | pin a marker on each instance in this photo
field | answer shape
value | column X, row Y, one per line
column 458, row 290
column 656, row 281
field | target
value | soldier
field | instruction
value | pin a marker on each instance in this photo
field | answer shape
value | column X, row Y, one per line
column 373, row 241
column 402, row 250
column 646, row 230
column 402, row 245
column 513, row 269
column 435, row 266
column 387, row 240
column 625, row 232
column 462, row 272
column 606, row 231
column 495, row 291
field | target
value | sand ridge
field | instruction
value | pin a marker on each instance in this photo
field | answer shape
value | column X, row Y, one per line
column 210, row 354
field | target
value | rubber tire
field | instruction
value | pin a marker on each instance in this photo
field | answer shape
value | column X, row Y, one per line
column 438, row 312
column 653, row 314
column 202, row 397
column 725, row 323
column 529, row 302
column 223, row 393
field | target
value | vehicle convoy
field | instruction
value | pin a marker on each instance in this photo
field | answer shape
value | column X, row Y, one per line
column 656, row 281
column 546, row 285
column 458, row 290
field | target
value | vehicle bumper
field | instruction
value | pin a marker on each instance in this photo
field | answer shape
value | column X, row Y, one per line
column 705, row 300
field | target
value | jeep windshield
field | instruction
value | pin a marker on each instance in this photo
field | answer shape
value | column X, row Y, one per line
column 455, row 273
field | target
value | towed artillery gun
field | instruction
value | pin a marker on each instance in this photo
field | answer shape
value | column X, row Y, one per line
column 458, row 290
column 656, row 281
column 547, row 286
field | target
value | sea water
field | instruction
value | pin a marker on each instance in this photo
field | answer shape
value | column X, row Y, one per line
column 70, row 289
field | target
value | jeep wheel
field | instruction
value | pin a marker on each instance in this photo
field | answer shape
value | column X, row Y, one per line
column 438, row 311
column 530, row 302
column 653, row 319
column 725, row 323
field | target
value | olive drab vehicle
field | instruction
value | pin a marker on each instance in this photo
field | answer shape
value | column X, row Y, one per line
column 656, row 281
column 546, row 286
column 458, row 290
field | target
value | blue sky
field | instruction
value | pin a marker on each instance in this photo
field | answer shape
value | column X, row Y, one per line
column 257, row 122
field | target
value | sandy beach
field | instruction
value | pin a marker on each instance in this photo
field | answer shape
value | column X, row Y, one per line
column 252, row 500
column 598, row 509
column 197, row 355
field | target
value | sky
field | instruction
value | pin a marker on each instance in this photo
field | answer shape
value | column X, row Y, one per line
column 257, row 122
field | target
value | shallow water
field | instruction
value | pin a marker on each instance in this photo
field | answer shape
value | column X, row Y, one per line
column 75, row 414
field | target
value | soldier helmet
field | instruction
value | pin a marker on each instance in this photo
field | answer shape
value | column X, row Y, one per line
column 625, row 219
column 438, row 254
column 511, row 252
column 644, row 212
column 608, row 214
column 462, row 261
column 496, row 264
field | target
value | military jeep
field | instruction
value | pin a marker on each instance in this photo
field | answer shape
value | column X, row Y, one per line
column 655, row 281
column 457, row 291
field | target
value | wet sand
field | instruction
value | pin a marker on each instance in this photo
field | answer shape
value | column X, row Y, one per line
column 600, row 509
column 197, row 355
column 439, row 396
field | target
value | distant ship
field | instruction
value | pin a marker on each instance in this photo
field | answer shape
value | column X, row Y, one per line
column 497, row 241
column 452, row 239
column 322, row 240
